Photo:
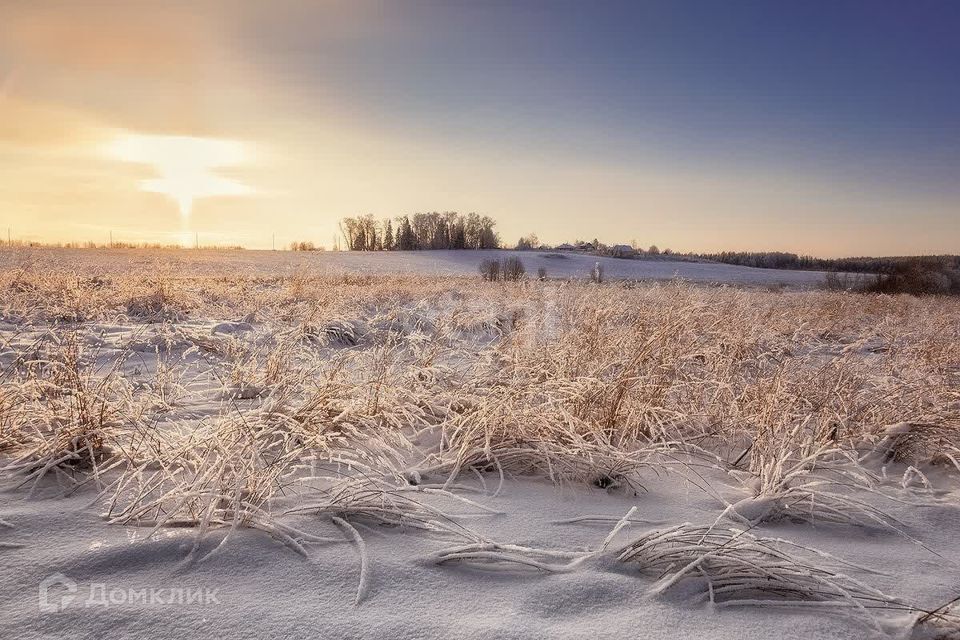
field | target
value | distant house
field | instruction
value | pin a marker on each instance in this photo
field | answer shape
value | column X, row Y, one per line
column 622, row 251
column 584, row 246
column 565, row 247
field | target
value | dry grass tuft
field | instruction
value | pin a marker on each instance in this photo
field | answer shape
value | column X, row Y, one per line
column 736, row 568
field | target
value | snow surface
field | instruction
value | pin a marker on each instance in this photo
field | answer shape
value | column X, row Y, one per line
column 264, row 590
column 449, row 263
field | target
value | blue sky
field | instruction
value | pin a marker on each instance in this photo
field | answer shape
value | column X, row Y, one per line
column 872, row 82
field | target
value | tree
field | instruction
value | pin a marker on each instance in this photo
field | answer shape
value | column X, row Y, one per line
column 488, row 237
column 387, row 235
column 458, row 235
column 405, row 239
column 349, row 229
column 472, row 231
column 369, row 225
column 528, row 242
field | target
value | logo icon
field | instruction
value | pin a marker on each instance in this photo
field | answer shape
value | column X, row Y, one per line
column 56, row 593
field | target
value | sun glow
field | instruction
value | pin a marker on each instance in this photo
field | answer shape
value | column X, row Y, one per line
column 185, row 166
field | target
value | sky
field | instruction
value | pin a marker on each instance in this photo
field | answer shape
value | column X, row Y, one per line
column 824, row 127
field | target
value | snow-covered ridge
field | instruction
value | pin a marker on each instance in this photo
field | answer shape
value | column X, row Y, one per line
column 447, row 263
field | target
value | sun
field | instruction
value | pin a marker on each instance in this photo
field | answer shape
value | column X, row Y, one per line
column 185, row 165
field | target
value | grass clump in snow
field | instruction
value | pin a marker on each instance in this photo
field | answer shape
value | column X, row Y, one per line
column 735, row 568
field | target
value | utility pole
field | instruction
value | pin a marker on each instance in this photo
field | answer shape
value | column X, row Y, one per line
column 273, row 242
column 196, row 240
column 111, row 239
column 9, row 242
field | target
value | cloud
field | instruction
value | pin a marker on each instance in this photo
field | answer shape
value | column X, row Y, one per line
column 45, row 126
column 159, row 68
column 116, row 38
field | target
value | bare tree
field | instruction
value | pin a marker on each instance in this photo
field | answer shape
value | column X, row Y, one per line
column 528, row 242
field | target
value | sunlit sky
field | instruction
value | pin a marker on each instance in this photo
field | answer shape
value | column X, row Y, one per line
column 826, row 127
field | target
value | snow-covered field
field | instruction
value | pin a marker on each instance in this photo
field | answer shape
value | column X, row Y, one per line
column 196, row 445
column 430, row 263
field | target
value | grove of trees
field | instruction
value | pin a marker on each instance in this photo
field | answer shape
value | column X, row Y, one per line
column 434, row 230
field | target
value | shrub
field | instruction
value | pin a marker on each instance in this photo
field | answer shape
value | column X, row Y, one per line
column 841, row 281
column 512, row 269
column 542, row 273
column 304, row 246
column 915, row 277
column 490, row 270
column 508, row 269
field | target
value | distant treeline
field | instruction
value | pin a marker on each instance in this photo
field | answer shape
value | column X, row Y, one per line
column 918, row 275
column 781, row 260
column 434, row 230
column 35, row 244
